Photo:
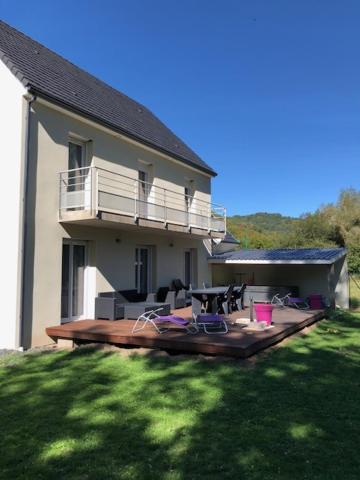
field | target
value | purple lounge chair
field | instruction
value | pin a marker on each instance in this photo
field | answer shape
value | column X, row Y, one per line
column 153, row 318
column 299, row 303
column 211, row 323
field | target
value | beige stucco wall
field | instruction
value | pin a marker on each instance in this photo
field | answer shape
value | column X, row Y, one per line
column 110, row 151
column 112, row 252
column 311, row 279
column 112, row 262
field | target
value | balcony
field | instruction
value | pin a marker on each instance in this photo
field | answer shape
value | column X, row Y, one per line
column 95, row 193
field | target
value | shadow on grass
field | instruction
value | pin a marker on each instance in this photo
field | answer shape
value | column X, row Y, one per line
column 354, row 303
column 92, row 414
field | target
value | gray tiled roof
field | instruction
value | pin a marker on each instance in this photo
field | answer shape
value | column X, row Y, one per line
column 48, row 74
column 326, row 255
column 229, row 238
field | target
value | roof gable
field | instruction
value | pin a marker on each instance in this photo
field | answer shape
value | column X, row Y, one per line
column 50, row 75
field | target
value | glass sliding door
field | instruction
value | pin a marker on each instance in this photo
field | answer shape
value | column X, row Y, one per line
column 73, row 281
column 142, row 269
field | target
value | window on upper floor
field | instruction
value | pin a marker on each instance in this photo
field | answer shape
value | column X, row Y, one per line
column 188, row 193
column 77, row 155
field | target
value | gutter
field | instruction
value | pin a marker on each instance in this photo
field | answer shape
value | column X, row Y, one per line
column 272, row 262
column 224, row 260
column 25, row 190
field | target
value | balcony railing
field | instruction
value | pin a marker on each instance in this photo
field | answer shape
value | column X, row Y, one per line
column 94, row 190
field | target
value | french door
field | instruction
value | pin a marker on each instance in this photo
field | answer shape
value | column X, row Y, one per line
column 73, row 285
column 143, row 269
column 79, row 175
column 143, row 193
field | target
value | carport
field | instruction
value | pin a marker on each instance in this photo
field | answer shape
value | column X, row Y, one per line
column 312, row 270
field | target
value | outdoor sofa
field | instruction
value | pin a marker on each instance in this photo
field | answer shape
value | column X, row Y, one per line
column 130, row 304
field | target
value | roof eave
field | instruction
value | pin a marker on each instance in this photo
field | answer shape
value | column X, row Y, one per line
column 272, row 262
column 330, row 261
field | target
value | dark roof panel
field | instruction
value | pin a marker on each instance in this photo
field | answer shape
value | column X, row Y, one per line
column 50, row 75
column 229, row 238
column 283, row 255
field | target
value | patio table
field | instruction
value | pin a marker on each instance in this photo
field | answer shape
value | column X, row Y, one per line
column 211, row 294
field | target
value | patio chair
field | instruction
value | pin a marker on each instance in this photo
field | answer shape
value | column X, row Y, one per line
column 237, row 299
column 211, row 323
column 178, row 286
column 224, row 300
column 154, row 319
column 164, row 294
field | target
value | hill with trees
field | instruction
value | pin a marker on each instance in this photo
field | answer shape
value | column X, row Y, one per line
column 263, row 221
column 331, row 225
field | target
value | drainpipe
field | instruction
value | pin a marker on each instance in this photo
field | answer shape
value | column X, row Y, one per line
column 25, row 190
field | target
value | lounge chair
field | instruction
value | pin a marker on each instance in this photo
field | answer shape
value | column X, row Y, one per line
column 211, row 323
column 299, row 303
column 154, row 319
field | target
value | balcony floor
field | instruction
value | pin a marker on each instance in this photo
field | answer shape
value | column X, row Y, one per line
column 114, row 220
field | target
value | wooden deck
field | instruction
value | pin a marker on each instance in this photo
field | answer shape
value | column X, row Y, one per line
column 236, row 343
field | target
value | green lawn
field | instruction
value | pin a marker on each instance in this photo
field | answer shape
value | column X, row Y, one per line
column 294, row 414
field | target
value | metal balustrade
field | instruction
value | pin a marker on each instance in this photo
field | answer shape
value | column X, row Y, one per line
column 94, row 190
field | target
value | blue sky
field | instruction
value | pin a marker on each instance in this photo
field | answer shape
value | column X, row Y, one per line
column 267, row 92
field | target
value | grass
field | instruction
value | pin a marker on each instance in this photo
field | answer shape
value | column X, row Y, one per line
column 355, row 292
column 96, row 415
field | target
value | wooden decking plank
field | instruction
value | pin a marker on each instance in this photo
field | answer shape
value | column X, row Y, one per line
column 236, row 343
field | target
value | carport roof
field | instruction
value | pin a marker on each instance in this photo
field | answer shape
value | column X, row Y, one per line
column 299, row 256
